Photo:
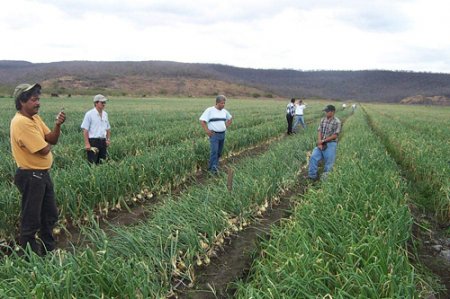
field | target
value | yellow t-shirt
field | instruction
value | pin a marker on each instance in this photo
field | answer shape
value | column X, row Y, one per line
column 27, row 138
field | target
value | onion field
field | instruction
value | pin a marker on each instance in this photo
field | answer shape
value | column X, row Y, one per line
column 347, row 237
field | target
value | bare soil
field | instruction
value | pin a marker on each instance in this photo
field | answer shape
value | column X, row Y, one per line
column 432, row 240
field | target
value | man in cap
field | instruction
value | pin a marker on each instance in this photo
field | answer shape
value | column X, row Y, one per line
column 96, row 131
column 328, row 132
column 31, row 142
column 215, row 120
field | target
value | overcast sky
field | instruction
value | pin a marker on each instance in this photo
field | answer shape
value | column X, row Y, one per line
column 411, row 35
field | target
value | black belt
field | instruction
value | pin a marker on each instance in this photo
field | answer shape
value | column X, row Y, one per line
column 330, row 141
column 33, row 170
column 219, row 132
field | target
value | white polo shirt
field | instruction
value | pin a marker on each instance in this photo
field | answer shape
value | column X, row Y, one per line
column 216, row 118
column 95, row 124
column 299, row 109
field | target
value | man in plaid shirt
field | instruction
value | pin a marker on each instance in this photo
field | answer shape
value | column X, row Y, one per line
column 290, row 111
column 328, row 132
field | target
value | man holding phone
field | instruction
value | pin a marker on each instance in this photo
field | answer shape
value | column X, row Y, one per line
column 31, row 142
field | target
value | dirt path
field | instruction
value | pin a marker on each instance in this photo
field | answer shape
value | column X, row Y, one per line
column 433, row 249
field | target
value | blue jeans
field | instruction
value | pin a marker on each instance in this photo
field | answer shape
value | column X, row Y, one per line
column 216, row 143
column 299, row 120
column 329, row 156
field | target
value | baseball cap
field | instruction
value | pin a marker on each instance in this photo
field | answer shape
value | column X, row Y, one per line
column 100, row 98
column 24, row 87
column 329, row 108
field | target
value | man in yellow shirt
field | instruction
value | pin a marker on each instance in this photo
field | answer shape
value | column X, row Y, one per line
column 31, row 142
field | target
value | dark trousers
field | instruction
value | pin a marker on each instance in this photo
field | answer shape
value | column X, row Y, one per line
column 99, row 143
column 39, row 212
column 290, row 119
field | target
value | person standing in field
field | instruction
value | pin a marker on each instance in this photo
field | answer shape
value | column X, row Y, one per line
column 215, row 120
column 290, row 111
column 31, row 142
column 327, row 138
column 299, row 108
column 353, row 108
column 96, row 131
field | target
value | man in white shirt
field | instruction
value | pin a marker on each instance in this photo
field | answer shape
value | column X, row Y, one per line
column 299, row 107
column 96, row 131
column 215, row 120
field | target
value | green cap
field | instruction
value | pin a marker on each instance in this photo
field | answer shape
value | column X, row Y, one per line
column 24, row 87
column 329, row 108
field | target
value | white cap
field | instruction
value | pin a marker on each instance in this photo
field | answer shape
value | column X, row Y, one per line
column 100, row 98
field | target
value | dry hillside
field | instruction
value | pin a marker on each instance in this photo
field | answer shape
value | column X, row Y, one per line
column 153, row 78
column 155, row 86
column 422, row 100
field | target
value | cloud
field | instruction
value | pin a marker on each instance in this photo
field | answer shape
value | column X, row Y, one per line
column 307, row 34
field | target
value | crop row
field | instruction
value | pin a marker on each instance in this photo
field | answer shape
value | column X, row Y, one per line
column 83, row 191
column 424, row 156
column 145, row 260
column 133, row 130
column 431, row 122
column 347, row 237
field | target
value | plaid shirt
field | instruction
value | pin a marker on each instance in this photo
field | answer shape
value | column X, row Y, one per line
column 290, row 109
column 329, row 127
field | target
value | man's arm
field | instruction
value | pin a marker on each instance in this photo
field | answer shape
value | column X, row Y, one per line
column 319, row 140
column 205, row 127
column 87, row 145
column 53, row 136
column 108, row 137
column 228, row 122
column 45, row 150
column 330, row 138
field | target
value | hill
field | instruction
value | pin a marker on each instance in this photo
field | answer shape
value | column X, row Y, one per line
column 156, row 78
column 421, row 100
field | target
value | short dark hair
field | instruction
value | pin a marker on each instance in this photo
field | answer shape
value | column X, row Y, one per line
column 292, row 100
column 25, row 96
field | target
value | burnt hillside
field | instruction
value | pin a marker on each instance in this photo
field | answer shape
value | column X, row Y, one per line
column 172, row 78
